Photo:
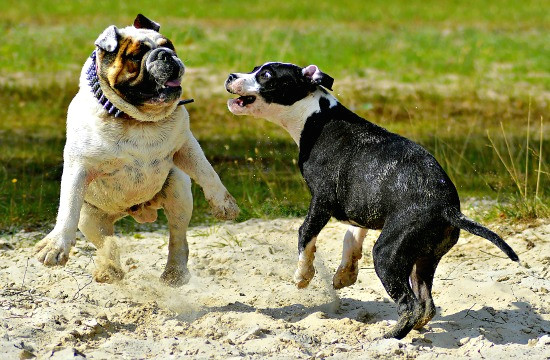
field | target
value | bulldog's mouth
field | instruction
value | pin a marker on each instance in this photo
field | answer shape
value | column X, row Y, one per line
column 172, row 83
column 165, row 92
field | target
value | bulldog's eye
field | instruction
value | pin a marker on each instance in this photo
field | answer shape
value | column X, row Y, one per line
column 136, row 57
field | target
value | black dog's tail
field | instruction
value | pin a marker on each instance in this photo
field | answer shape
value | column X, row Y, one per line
column 456, row 218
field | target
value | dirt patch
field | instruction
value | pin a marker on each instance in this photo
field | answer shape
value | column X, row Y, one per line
column 240, row 301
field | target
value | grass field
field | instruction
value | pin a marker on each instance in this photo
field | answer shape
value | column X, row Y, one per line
column 451, row 75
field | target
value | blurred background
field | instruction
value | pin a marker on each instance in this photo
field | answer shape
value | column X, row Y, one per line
column 469, row 80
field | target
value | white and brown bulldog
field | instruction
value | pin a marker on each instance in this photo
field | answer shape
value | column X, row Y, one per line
column 130, row 151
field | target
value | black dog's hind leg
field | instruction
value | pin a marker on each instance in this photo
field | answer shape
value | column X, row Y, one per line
column 317, row 217
column 421, row 279
column 423, row 272
column 393, row 262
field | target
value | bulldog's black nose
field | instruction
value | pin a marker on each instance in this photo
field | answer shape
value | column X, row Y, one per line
column 163, row 65
column 164, row 55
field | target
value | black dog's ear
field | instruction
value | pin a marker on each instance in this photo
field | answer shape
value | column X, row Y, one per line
column 318, row 77
column 108, row 40
column 141, row 22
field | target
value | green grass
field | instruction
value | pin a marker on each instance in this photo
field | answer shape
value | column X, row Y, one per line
column 442, row 73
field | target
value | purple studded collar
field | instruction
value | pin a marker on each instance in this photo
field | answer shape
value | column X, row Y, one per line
column 93, row 82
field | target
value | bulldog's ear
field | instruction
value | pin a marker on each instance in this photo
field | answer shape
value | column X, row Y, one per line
column 108, row 40
column 141, row 22
column 318, row 77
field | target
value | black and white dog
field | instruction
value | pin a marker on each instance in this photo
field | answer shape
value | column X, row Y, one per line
column 366, row 176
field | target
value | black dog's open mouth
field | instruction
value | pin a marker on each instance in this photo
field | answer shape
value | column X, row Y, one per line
column 243, row 101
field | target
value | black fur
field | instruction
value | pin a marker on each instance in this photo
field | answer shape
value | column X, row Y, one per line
column 383, row 173
column 283, row 76
column 142, row 22
column 360, row 173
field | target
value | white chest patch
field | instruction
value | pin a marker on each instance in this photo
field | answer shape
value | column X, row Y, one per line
column 127, row 161
column 293, row 118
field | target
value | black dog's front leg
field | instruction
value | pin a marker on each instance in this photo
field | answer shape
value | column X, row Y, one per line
column 317, row 217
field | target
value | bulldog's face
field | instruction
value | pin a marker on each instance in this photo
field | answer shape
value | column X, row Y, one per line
column 139, row 70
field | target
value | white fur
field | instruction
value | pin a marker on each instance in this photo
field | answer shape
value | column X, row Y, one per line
column 305, row 271
column 351, row 253
column 111, row 164
column 312, row 72
column 291, row 118
column 247, row 84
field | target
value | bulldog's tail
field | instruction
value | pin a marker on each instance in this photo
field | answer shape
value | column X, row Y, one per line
column 456, row 218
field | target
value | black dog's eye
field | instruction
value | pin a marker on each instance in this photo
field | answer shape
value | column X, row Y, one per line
column 265, row 75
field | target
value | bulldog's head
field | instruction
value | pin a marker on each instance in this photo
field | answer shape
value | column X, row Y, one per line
column 138, row 70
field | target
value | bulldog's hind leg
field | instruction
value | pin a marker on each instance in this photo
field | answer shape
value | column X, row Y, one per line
column 98, row 227
column 177, row 201
column 348, row 270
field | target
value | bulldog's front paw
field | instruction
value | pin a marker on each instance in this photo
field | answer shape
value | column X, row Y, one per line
column 175, row 276
column 53, row 250
column 224, row 206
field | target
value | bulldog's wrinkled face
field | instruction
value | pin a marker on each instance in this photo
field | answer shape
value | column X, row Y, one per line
column 272, row 85
column 140, row 65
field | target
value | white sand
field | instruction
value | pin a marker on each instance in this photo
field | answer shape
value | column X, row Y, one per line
column 240, row 302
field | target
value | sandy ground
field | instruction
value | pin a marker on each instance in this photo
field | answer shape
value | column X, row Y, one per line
column 241, row 303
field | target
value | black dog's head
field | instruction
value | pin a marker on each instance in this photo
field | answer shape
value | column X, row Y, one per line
column 273, row 83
